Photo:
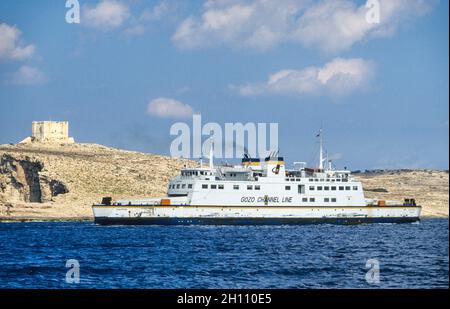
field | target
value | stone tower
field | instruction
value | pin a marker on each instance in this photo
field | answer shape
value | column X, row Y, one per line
column 49, row 132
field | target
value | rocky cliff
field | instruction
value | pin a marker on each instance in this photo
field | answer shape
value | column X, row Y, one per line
column 52, row 181
column 62, row 181
column 22, row 179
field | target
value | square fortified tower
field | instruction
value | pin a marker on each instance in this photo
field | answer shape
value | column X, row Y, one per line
column 50, row 132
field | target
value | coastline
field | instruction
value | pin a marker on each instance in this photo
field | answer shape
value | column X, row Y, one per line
column 46, row 182
column 44, row 219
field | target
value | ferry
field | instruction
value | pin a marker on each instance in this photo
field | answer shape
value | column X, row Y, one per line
column 259, row 192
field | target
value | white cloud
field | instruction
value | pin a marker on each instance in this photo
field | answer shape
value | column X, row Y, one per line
column 336, row 78
column 27, row 75
column 10, row 45
column 169, row 108
column 140, row 25
column 157, row 12
column 330, row 25
column 135, row 31
column 106, row 15
column 338, row 25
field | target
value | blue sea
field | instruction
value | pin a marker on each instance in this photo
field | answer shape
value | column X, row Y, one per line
column 34, row 255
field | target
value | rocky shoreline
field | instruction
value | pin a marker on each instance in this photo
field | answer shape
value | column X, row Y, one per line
column 60, row 182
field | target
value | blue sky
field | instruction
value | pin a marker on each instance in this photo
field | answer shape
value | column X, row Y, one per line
column 380, row 90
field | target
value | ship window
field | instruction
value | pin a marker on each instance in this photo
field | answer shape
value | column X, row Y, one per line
column 249, row 187
column 311, row 188
column 201, row 173
column 213, row 186
column 312, row 199
column 178, row 186
column 347, row 188
column 204, row 186
column 319, row 188
column 236, row 187
column 257, row 187
column 190, row 186
column 355, row 188
column 326, row 188
column 333, row 188
column 183, row 186
column 305, row 199
column 326, row 200
column 287, row 179
column 310, row 179
column 298, row 179
column 341, row 188
column 301, row 189
column 328, row 179
column 287, row 187
column 333, row 199
column 221, row 187
column 322, row 179
column 316, row 179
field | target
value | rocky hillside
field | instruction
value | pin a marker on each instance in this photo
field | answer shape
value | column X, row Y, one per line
column 428, row 187
column 63, row 181
column 45, row 181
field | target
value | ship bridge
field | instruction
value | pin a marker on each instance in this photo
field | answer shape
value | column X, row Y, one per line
column 272, row 169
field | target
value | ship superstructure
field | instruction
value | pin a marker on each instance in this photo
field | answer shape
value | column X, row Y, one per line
column 259, row 191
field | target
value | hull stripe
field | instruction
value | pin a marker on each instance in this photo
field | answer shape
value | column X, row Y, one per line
column 249, row 221
column 243, row 206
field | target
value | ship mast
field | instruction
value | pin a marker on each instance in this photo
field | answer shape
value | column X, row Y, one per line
column 211, row 155
column 320, row 149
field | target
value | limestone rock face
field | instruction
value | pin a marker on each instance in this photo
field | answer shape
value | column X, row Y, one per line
column 22, row 180
column 48, row 180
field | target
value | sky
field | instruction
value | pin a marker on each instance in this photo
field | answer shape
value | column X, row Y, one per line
column 373, row 75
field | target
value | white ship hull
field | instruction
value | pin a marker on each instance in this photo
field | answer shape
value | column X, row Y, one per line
column 248, row 215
